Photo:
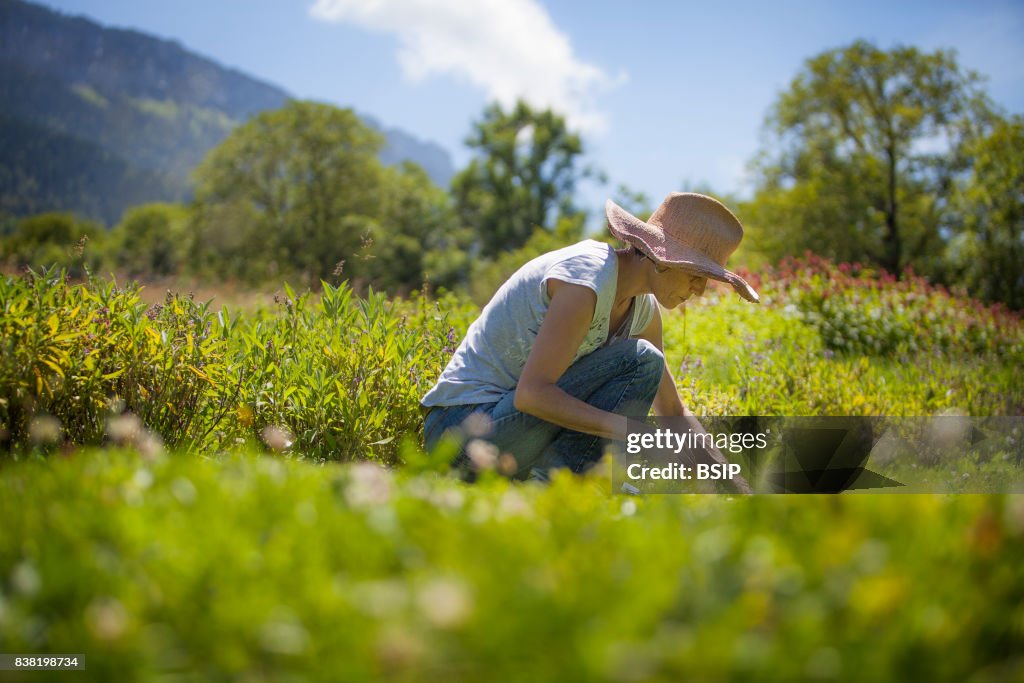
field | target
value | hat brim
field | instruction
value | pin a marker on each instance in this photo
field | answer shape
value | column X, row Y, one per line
column 652, row 241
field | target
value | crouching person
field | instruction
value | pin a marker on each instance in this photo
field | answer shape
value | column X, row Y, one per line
column 570, row 347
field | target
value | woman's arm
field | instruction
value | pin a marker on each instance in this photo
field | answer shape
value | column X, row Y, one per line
column 668, row 402
column 565, row 326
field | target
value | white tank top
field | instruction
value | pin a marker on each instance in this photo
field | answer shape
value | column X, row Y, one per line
column 489, row 360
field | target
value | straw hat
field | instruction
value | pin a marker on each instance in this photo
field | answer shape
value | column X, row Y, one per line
column 690, row 231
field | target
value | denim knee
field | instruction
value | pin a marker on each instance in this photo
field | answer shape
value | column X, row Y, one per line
column 650, row 365
column 441, row 419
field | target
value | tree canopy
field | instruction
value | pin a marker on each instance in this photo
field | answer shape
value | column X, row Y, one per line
column 987, row 250
column 522, row 178
column 300, row 190
column 862, row 149
column 152, row 239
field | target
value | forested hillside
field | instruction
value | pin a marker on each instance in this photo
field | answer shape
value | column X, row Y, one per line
column 135, row 113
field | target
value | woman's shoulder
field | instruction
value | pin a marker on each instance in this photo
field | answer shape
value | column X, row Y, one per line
column 597, row 254
column 588, row 257
column 593, row 247
column 587, row 262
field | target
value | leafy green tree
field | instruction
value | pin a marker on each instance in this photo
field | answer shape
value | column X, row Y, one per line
column 522, row 178
column 414, row 231
column 863, row 148
column 300, row 191
column 294, row 189
column 152, row 239
column 54, row 239
column 987, row 251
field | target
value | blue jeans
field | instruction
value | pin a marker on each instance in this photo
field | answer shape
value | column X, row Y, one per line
column 621, row 378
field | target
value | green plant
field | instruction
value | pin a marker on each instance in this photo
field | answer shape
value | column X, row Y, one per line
column 84, row 353
column 216, row 568
column 344, row 376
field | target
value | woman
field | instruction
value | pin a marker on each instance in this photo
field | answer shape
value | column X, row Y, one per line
column 570, row 347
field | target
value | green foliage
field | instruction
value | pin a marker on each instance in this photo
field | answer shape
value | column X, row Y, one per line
column 345, row 376
column 988, row 250
column 156, row 563
column 53, row 239
column 83, row 354
column 415, row 239
column 829, row 341
column 299, row 192
column 487, row 276
column 340, row 378
column 864, row 145
column 214, row 569
column 152, row 240
column 292, row 189
column 857, row 310
column 522, row 178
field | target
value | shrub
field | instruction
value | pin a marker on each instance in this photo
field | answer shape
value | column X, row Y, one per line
column 83, row 353
column 53, row 239
column 859, row 310
column 340, row 379
column 344, row 376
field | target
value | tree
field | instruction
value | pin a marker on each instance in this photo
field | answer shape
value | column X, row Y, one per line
column 54, row 239
column 865, row 146
column 152, row 239
column 300, row 191
column 294, row 189
column 414, row 238
column 522, row 178
column 987, row 251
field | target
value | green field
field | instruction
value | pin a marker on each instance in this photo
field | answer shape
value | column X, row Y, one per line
column 189, row 493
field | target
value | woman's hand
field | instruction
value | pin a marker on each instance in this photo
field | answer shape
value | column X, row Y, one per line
column 669, row 403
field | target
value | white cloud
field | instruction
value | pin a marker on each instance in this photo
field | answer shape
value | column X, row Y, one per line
column 508, row 48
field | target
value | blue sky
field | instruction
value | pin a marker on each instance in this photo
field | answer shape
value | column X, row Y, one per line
column 665, row 93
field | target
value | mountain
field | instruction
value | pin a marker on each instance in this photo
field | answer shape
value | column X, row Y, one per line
column 97, row 119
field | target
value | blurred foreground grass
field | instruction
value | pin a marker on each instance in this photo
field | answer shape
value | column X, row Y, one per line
column 255, row 567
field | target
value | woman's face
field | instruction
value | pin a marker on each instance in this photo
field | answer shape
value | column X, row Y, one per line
column 674, row 286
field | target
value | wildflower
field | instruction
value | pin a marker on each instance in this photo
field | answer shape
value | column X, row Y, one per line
column 477, row 425
column 284, row 635
column 25, row 579
column 369, row 485
column 277, row 438
column 398, row 647
column 507, row 464
column 482, row 454
column 107, row 618
column 445, row 602
column 44, row 430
